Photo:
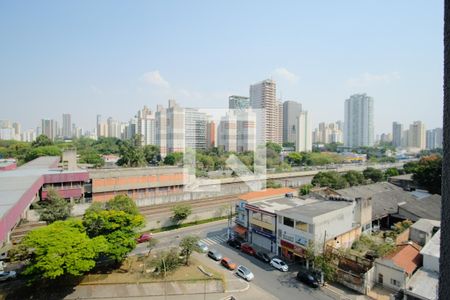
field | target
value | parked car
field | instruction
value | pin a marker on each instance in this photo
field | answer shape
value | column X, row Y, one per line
column 245, row 273
column 227, row 263
column 279, row 264
column 308, row 279
column 214, row 254
column 145, row 237
column 246, row 248
column 4, row 276
column 262, row 257
column 234, row 243
column 202, row 247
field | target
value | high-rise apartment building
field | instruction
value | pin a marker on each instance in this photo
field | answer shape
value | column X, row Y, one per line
column 49, row 128
column 280, row 122
column 211, row 134
column 417, row 135
column 161, row 129
column 227, row 132
column 328, row 133
column 397, row 133
column 303, row 141
column 66, row 126
column 146, row 127
column 434, row 138
column 359, row 126
column 114, row 128
column 195, row 129
column 175, row 128
column 238, row 102
column 291, row 111
column 102, row 127
column 263, row 97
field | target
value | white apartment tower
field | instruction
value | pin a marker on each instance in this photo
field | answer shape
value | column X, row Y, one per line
column 263, row 96
column 145, row 126
column 397, row 133
column 67, row 125
column 161, row 129
column 291, row 110
column 417, row 135
column 303, row 141
column 359, row 126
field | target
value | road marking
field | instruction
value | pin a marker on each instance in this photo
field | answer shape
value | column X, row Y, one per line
column 214, row 240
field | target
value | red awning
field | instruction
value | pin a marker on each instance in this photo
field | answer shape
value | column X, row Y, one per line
column 240, row 229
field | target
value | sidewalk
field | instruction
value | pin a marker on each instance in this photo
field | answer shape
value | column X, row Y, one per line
column 341, row 292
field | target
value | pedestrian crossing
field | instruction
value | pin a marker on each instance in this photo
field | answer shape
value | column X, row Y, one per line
column 215, row 239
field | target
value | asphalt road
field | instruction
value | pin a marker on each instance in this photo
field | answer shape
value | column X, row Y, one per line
column 281, row 285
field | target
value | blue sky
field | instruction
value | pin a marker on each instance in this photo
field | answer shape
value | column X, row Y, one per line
column 113, row 57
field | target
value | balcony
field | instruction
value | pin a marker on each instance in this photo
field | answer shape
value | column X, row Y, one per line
column 263, row 224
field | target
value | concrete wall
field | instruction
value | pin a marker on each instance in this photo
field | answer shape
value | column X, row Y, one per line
column 431, row 262
column 333, row 224
column 389, row 272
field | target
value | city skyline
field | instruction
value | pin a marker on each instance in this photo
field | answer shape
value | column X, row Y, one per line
column 70, row 71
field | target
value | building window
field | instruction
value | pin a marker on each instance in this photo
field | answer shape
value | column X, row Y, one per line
column 395, row 282
column 301, row 226
column 288, row 222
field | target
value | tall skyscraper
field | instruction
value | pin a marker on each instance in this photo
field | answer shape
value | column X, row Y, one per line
column 66, row 126
column 358, row 126
column 291, row 111
column 238, row 102
column 417, row 135
column 303, row 141
column 161, row 129
column 49, row 128
column 227, row 132
column 280, row 118
column 195, row 128
column 211, row 134
column 175, row 128
column 146, row 128
column 263, row 96
column 114, row 128
column 397, row 132
column 434, row 138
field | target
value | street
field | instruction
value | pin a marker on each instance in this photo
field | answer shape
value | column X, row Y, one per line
column 280, row 285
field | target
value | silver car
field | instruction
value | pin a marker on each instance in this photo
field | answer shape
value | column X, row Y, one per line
column 202, row 247
column 4, row 276
column 214, row 254
column 245, row 273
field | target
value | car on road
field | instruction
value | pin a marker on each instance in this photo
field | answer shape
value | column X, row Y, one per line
column 214, row 254
column 246, row 248
column 262, row 256
column 279, row 264
column 145, row 237
column 308, row 279
column 227, row 263
column 245, row 273
column 202, row 247
column 4, row 276
column 234, row 243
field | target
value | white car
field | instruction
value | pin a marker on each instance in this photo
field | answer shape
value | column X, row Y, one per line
column 202, row 247
column 245, row 273
column 279, row 264
column 4, row 276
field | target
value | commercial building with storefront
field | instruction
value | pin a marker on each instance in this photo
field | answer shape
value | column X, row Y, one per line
column 319, row 222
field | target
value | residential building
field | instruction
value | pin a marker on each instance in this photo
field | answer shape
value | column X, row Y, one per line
column 417, row 135
column 280, row 122
column 114, row 128
column 211, row 134
column 66, row 126
column 227, row 132
column 328, row 133
column 395, row 269
column 145, row 126
column 397, row 132
column 175, row 128
column 102, row 127
column 303, row 141
column 195, row 129
column 359, row 125
column 424, row 283
column 434, row 138
column 245, row 131
column 49, row 128
column 423, row 230
column 386, row 138
column 291, row 111
column 263, row 97
column 238, row 102
column 161, row 129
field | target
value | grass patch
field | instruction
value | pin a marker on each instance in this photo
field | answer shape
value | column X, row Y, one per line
column 183, row 225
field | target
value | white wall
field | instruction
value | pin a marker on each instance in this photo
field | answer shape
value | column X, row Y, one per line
column 389, row 271
column 431, row 262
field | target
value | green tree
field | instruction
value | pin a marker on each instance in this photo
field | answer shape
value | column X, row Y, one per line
column 375, row 175
column 167, row 261
column 330, row 179
column 91, row 156
column 189, row 244
column 274, row 146
column 61, row 248
column 273, row 185
column 131, row 153
column 354, row 178
column 173, row 158
column 122, row 203
column 54, row 208
column 294, row 159
column 152, row 154
column 410, row 167
column 428, row 174
column 42, row 141
column 305, row 189
column 324, row 262
column 34, row 153
column 391, row 172
column 181, row 212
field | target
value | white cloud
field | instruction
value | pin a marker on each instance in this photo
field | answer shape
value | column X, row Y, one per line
column 285, row 74
column 368, row 79
column 155, row 78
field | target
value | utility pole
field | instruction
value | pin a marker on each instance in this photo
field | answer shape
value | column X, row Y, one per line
column 230, row 215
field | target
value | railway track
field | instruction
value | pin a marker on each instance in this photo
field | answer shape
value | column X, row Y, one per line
column 200, row 203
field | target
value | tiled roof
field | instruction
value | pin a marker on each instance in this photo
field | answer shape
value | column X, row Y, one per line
column 267, row 193
column 407, row 257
